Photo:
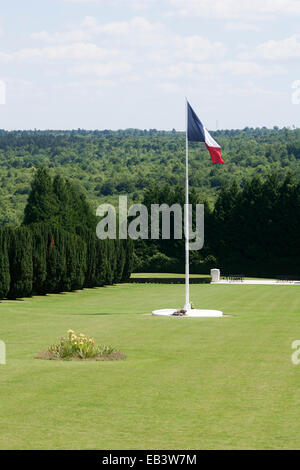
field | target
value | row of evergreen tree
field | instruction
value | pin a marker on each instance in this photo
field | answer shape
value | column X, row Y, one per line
column 56, row 248
column 252, row 230
column 255, row 229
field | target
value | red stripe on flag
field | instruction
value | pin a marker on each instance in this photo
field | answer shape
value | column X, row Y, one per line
column 215, row 153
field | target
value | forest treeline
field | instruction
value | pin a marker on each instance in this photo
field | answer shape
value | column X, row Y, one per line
column 107, row 163
column 253, row 230
column 55, row 248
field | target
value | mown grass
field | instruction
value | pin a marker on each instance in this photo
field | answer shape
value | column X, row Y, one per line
column 186, row 383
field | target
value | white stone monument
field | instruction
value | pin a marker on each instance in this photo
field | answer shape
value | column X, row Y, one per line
column 215, row 275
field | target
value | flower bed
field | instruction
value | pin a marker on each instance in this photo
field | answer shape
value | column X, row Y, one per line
column 79, row 347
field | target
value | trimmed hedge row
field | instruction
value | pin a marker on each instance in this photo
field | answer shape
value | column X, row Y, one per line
column 169, row 280
column 41, row 259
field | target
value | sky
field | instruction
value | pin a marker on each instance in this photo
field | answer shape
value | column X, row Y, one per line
column 117, row 64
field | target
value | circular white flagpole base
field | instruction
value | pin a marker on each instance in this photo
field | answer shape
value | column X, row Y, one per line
column 193, row 312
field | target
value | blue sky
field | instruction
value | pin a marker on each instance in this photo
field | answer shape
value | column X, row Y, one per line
column 110, row 64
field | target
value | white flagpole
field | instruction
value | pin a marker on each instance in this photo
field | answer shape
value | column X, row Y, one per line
column 186, row 216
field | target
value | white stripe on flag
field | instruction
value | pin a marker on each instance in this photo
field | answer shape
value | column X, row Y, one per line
column 209, row 140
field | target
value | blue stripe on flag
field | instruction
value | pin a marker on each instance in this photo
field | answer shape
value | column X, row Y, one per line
column 194, row 126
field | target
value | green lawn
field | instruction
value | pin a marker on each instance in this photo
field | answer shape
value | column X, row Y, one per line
column 186, row 384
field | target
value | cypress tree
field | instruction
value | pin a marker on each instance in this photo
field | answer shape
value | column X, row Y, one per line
column 81, row 267
column 120, row 260
column 112, row 261
column 42, row 205
column 66, row 252
column 20, row 260
column 287, row 227
column 56, row 260
column 75, row 262
column 102, row 262
column 39, row 257
column 222, row 236
column 91, row 259
column 128, row 265
column 4, row 263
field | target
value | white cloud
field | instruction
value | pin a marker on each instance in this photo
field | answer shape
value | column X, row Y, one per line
column 135, row 4
column 250, row 68
column 240, row 26
column 89, row 21
column 102, row 70
column 87, row 1
column 282, row 50
column 235, row 8
column 76, row 51
column 136, row 33
column 102, row 55
column 211, row 71
column 217, row 8
column 69, row 36
column 181, row 70
column 84, row 85
column 156, row 40
column 252, row 90
column 114, row 29
column 170, row 87
column 131, row 50
column 5, row 57
column 197, row 48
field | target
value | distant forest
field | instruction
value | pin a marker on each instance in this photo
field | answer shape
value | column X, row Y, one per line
column 105, row 164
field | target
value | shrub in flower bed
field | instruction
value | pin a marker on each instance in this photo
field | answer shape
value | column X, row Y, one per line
column 80, row 347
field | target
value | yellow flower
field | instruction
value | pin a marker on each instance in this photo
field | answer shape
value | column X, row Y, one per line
column 70, row 332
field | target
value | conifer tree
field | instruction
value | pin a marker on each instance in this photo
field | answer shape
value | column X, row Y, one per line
column 102, row 262
column 120, row 260
column 56, row 260
column 20, row 260
column 128, row 265
column 42, row 203
column 4, row 263
column 39, row 257
column 91, row 259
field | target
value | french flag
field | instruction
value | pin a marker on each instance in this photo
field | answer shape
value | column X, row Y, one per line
column 196, row 132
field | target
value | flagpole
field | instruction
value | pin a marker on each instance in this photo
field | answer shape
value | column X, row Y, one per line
column 195, row 132
column 186, row 216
